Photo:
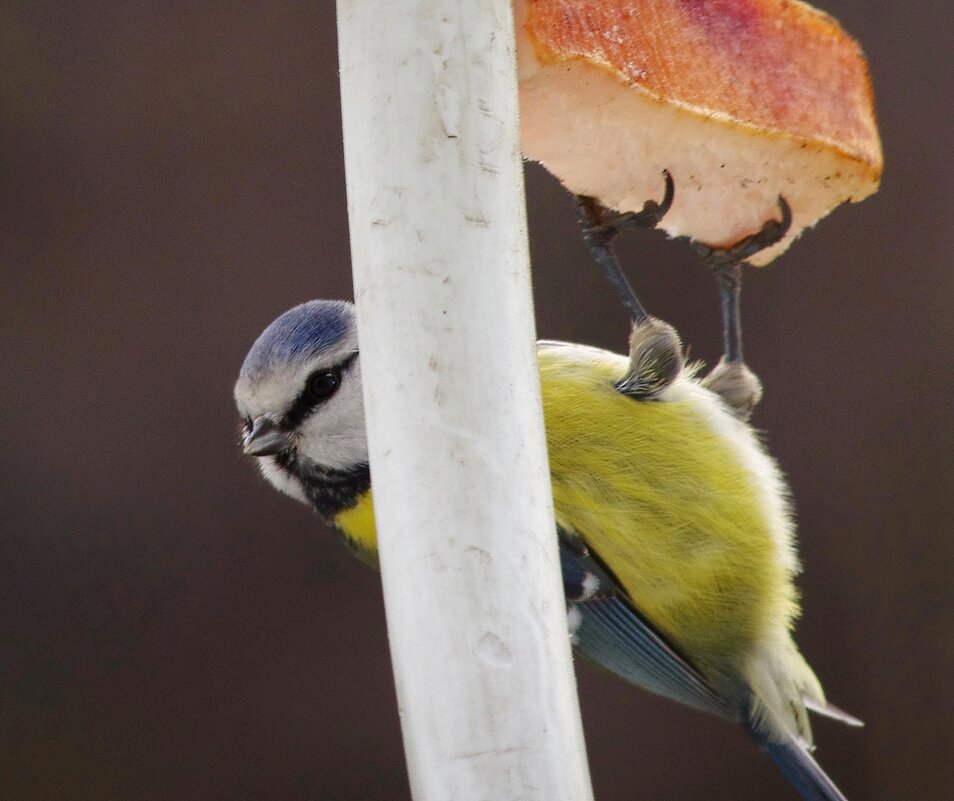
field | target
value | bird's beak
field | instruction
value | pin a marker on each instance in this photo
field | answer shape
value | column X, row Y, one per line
column 265, row 438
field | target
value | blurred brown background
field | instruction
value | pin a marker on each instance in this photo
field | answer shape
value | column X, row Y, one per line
column 172, row 628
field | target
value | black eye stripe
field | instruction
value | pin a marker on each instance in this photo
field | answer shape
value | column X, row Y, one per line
column 319, row 387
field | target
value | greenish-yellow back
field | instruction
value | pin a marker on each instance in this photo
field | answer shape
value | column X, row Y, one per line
column 668, row 503
column 665, row 499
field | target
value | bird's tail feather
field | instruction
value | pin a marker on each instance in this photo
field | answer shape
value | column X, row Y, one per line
column 829, row 710
column 799, row 767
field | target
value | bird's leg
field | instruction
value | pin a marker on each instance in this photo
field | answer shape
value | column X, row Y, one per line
column 655, row 351
column 599, row 236
column 738, row 386
column 729, row 278
column 726, row 263
column 602, row 225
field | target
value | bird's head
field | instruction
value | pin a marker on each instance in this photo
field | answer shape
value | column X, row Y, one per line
column 299, row 396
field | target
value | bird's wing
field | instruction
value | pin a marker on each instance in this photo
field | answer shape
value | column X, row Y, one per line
column 609, row 630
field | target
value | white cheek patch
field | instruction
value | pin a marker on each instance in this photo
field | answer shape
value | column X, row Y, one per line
column 281, row 480
column 334, row 435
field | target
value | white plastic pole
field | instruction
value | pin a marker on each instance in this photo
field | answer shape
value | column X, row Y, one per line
column 475, row 609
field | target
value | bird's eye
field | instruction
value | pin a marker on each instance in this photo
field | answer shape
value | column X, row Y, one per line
column 323, row 385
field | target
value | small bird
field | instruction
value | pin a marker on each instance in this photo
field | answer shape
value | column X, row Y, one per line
column 674, row 526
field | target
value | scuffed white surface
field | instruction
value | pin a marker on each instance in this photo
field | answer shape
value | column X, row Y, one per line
column 469, row 560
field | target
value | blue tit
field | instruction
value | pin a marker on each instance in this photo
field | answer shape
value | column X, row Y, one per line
column 675, row 532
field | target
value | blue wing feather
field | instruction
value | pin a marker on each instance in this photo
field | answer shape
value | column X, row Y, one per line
column 613, row 634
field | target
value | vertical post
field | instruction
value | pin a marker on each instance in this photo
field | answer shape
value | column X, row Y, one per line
column 475, row 609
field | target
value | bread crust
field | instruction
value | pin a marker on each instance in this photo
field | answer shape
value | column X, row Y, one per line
column 743, row 99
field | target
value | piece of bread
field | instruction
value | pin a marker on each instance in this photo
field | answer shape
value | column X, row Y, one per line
column 741, row 100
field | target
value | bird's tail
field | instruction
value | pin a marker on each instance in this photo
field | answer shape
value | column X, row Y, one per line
column 796, row 762
column 780, row 685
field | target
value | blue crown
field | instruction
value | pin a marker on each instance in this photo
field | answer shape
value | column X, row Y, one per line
column 299, row 335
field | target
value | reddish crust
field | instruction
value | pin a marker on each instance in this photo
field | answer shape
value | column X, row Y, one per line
column 774, row 64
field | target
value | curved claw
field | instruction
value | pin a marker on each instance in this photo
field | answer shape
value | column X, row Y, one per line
column 786, row 222
column 600, row 221
column 652, row 212
column 772, row 232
